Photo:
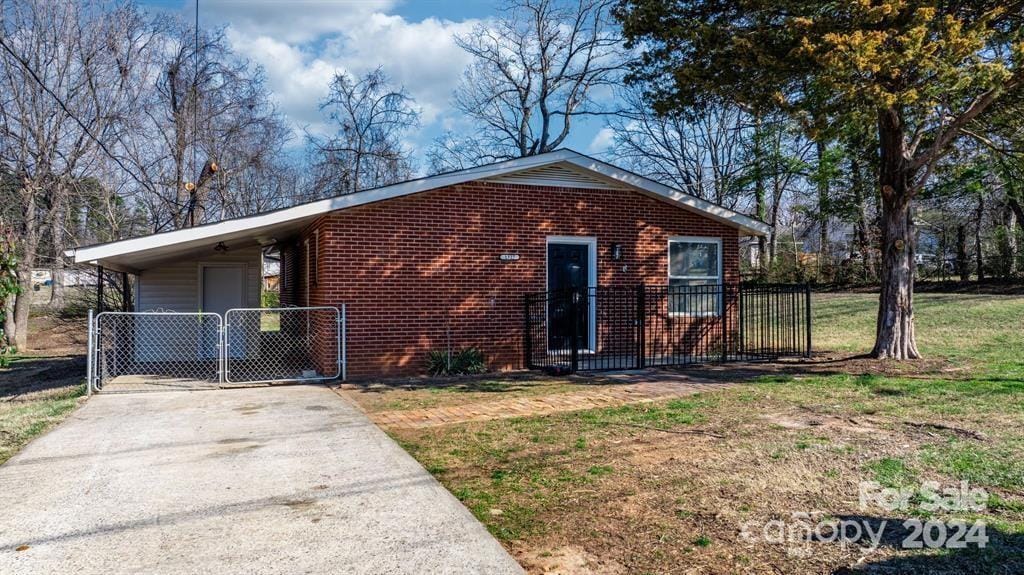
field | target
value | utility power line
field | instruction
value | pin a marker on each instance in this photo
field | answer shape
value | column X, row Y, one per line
column 60, row 102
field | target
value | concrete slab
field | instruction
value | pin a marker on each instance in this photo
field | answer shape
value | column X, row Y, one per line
column 284, row 479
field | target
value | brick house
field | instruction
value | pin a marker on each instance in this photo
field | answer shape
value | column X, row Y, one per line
column 444, row 261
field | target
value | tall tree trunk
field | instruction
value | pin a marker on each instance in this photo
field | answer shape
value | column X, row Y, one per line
column 963, row 269
column 773, row 221
column 762, row 241
column 760, row 199
column 58, row 221
column 941, row 255
column 10, row 326
column 30, row 235
column 824, row 250
column 1011, row 243
column 979, row 256
column 894, row 334
column 861, row 227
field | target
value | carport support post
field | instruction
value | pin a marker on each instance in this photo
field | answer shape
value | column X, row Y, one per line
column 126, row 293
column 99, row 289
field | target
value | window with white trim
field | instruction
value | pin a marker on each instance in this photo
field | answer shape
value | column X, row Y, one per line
column 694, row 276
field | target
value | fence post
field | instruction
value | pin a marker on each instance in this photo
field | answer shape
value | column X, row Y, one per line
column 88, row 358
column 740, row 344
column 222, row 348
column 807, row 320
column 725, row 295
column 527, row 334
column 340, row 344
column 641, row 323
column 574, row 311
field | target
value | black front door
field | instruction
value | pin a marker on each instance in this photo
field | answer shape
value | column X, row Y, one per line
column 568, row 273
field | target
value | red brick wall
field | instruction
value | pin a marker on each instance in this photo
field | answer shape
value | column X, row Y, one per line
column 418, row 271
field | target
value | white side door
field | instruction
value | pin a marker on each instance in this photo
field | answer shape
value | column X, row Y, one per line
column 223, row 289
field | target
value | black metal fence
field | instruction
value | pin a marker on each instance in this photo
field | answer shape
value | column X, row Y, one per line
column 613, row 328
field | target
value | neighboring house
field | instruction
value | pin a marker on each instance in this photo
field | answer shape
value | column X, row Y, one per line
column 72, row 277
column 444, row 260
column 271, row 272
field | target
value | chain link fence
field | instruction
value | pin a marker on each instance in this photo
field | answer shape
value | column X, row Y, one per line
column 282, row 344
column 156, row 350
column 149, row 351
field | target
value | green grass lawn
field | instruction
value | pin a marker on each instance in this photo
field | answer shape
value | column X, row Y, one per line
column 666, row 487
column 39, row 391
column 23, row 419
column 983, row 332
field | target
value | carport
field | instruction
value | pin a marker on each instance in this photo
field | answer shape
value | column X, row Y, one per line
column 197, row 319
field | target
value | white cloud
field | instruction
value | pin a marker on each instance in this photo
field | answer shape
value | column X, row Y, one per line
column 301, row 45
column 422, row 56
column 603, row 140
column 292, row 21
column 298, row 80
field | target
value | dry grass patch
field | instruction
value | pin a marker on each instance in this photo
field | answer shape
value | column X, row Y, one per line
column 423, row 393
column 666, row 487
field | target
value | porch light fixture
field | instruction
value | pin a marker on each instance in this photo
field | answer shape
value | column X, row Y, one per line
column 220, row 247
column 616, row 252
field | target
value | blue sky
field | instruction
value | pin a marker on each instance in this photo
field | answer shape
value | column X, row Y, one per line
column 302, row 43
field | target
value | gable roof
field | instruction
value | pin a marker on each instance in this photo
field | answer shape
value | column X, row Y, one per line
column 564, row 165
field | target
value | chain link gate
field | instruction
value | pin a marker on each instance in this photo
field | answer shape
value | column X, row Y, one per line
column 157, row 350
column 266, row 345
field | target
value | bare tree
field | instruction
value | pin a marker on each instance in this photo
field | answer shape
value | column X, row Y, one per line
column 700, row 153
column 370, row 118
column 206, row 118
column 63, row 67
column 535, row 71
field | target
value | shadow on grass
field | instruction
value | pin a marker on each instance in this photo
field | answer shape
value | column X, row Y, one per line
column 1002, row 553
column 820, row 365
column 30, row 375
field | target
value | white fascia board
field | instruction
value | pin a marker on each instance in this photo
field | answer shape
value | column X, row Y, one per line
column 95, row 254
column 211, row 231
column 725, row 215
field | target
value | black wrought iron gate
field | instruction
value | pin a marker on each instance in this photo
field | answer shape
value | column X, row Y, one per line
column 614, row 328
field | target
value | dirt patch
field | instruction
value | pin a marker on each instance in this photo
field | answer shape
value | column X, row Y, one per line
column 566, row 561
column 811, row 421
column 56, row 335
column 55, row 362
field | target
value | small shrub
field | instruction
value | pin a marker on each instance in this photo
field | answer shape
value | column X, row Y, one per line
column 270, row 298
column 464, row 361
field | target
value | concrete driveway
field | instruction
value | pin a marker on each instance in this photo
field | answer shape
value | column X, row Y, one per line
column 289, row 479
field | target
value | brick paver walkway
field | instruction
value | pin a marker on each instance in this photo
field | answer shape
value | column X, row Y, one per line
column 634, row 389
